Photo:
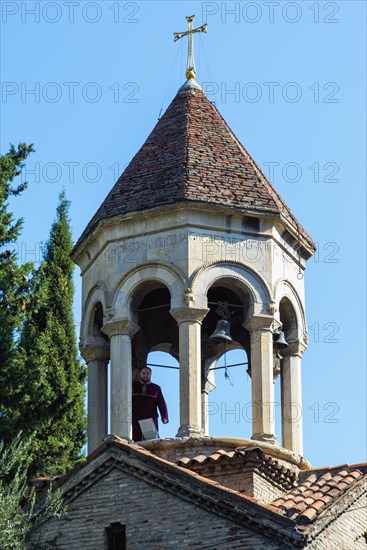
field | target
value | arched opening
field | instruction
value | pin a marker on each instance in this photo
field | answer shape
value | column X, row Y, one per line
column 96, row 322
column 228, row 409
column 165, row 373
column 151, row 306
column 156, row 345
column 288, row 318
column 96, row 353
column 226, row 384
column 289, row 389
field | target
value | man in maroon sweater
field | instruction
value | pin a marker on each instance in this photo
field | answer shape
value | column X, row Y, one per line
column 147, row 398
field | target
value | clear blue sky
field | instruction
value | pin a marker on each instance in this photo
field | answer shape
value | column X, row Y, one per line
column 289, row 79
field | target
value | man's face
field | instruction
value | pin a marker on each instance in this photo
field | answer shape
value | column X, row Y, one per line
column 145, row 375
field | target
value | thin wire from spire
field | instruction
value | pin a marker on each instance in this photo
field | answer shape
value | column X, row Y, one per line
column 169, row 81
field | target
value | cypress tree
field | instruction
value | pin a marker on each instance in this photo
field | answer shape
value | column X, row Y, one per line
column 18, row 508
column 53, row 400
column 13, row 290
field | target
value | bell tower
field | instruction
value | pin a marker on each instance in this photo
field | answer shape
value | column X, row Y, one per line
column 192, row 226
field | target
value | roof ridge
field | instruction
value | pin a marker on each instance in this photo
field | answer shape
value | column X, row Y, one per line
column 361, row 465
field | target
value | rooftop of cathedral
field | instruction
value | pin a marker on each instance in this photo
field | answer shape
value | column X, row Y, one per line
column 192, row 156
column 311, row 491
column 310, row 500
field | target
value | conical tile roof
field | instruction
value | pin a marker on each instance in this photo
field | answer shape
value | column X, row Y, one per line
column 192, row 155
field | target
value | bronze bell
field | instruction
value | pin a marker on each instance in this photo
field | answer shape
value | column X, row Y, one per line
column 222, row 332
column 279, row 340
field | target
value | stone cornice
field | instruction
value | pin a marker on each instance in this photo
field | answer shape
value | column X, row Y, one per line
column 188, row 215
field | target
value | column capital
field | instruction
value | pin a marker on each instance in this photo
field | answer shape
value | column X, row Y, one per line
column 259, row 322
column 294, row 348
column 94, row 347
column 192, row 314
column 120, row 327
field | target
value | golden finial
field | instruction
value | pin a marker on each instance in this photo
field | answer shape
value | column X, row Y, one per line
column 190, row 69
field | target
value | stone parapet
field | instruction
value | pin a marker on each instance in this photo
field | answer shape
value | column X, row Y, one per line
column 174, row 449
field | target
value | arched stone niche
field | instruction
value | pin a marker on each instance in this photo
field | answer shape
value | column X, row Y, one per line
column 251, row 325
column 245, row 281
column 290, row 312
column 93, row 317
column 131, row 285
column 291, row 315
column 95, row 349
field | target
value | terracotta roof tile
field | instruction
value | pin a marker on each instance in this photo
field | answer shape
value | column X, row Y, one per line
column 325, row 488
column 201, row 459
column 316, row 494
column 350, row 479
column 318, row 504
column 310, row 513
column 300, row 506
column 192, row 155
column 289, row 504
column 326, row 498
column 342, row 485
column 333, row 492
column 278, row 501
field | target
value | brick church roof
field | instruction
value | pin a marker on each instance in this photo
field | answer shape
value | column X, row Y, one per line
column 193, row 156
column 312, row 495
column 317, row 490
column 295, row 518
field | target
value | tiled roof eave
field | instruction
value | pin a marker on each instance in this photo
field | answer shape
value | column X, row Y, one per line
column 344, row 503
column 321, row 495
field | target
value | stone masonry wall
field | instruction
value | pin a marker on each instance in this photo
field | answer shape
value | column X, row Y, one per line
column 263, row 490
column 246, row 481
column 154, row 519
column 347, row 532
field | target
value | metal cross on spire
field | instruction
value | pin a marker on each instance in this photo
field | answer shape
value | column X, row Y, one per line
column 190, row 69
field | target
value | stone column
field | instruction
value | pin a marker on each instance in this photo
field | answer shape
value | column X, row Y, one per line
column 96, row 354
column 120, row 333
column 189, row 322
column 291, row 396
column 261, row 338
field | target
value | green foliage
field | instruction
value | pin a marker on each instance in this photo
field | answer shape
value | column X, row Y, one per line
column 41, row 376
column 53, row 397
column 13, row 289
column 18, row 499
